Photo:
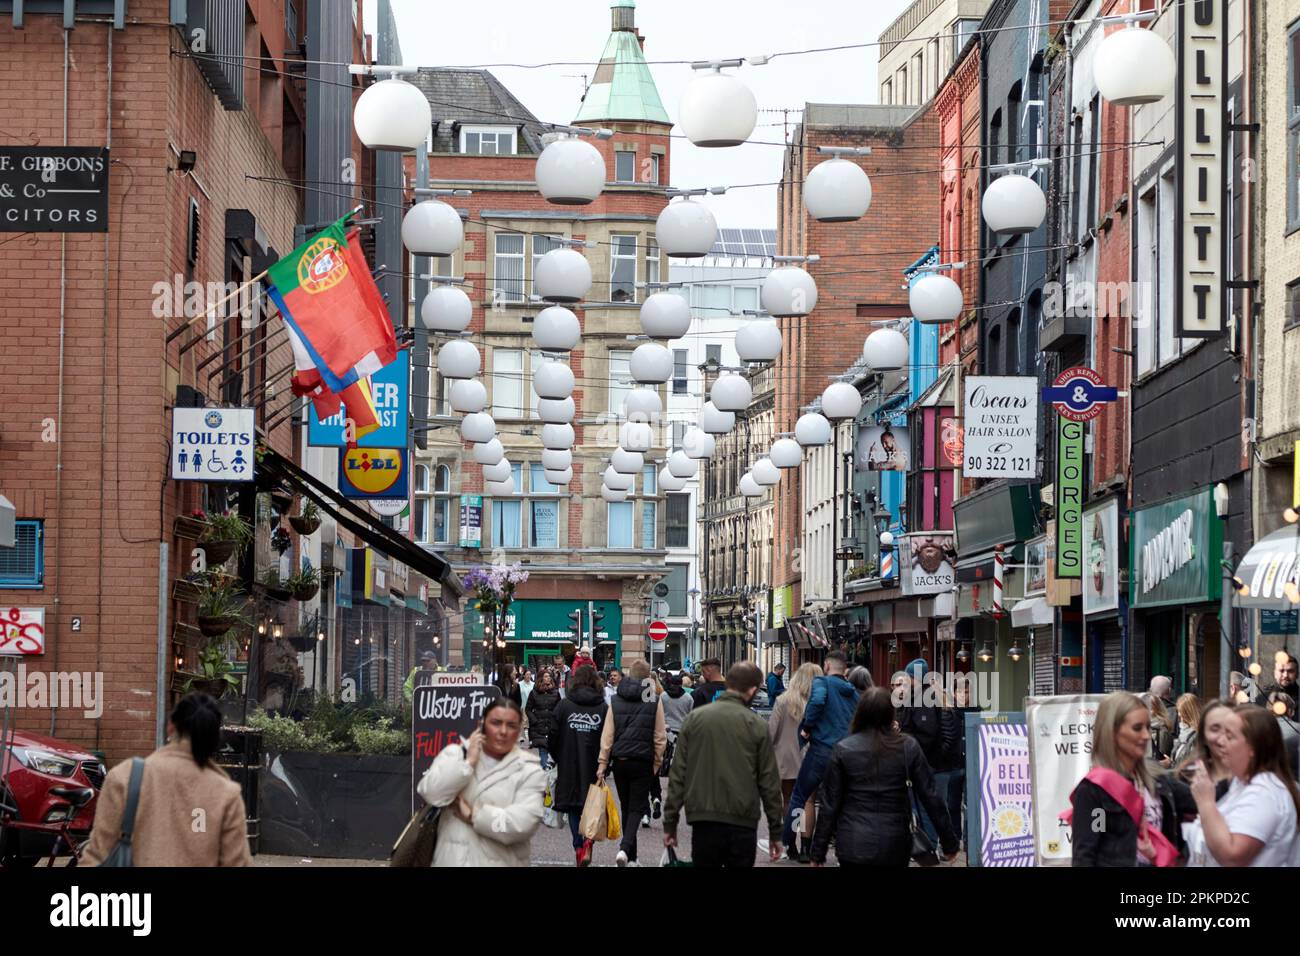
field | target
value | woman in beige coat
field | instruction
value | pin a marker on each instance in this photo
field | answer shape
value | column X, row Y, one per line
column 783, row 727
column 190, row 812
column 491, row 791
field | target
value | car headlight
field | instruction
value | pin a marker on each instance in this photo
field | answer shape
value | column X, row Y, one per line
column 45, row 762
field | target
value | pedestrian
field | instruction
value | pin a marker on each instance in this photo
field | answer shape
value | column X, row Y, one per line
column 825, row 723
column 710, row 686
column 1210, row 731
column 632, row 744
column 1284, row 677
column 1162, row 729
column 1188, row 709
column 180, row 785
column 574, row 745
column 865, row 792
column 861, row 680
column 540, row 711
column 421, row 674
column 526, row 685
column 1284, row 709
column 1237, row 692
column 655, row 807
column 688, row 682
column 509, row 687
column 491, row 790
column 1254, row 823
column 677, row 704
column 921, row 715
column 1123, row 814
column 1162, row 688
column 724, row 777
column 783, row 728
column 956, row 795
column 611, row 684
column 583, row 659
column 775, row 684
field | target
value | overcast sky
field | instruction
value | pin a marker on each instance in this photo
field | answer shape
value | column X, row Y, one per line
column 485, row 32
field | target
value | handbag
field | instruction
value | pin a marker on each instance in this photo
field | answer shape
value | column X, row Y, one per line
column 121, row 855
column 923, row 851
column 550, row 816
column 592, row 824
column 418, row 841
column 665, row 768
column 670, row 859
column 613, row 827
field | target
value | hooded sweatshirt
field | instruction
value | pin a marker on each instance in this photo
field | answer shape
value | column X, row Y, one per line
column 677, row 704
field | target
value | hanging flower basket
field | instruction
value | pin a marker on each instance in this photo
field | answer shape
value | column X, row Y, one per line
column 305, row 592
column 302, row 643
column 213, row 688
column 218, row 552
column 216, row 626
column 277, row 592
column 303, row 524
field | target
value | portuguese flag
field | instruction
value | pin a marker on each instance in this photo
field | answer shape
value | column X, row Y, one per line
column 329, row 300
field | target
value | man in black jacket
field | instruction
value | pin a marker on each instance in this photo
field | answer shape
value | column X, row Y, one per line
column 713, row 686
column 932, row 726
column 632, row 742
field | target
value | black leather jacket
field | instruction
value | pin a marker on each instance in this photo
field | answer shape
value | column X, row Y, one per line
column 1103, row 834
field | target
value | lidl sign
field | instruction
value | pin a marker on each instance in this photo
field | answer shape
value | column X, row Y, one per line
column 390, row 387
column 374, row 473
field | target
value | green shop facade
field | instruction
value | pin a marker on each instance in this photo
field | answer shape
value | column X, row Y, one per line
column 539, row 630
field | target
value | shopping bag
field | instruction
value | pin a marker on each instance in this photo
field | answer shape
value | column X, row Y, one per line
column 550, row 816
column 613, row 829
column 592, row 823
column 670, row 859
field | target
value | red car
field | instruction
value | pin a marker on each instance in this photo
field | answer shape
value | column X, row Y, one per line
column 43, row 783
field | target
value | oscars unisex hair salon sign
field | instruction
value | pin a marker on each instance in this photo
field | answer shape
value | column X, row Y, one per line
column 1001, row 413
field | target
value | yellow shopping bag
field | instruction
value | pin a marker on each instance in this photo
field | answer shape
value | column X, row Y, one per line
column 613, row 830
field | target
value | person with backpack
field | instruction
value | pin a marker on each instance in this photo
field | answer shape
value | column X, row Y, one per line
column 574, row 745
column 632, row 745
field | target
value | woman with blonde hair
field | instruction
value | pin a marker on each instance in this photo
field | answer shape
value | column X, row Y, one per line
column 1162, row 729
column 1121, row 815
column 783, row 728
column 1188, row 709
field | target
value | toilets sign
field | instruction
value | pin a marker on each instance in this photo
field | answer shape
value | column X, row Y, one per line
column 212, row 444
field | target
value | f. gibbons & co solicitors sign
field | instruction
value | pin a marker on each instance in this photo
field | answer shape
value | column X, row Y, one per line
column 53, row 189
column 1175, row 552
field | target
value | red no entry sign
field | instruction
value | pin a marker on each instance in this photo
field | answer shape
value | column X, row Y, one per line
column 658, row 631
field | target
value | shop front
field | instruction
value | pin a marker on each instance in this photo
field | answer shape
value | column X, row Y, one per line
column 1175, row 590
column 539, row 632
column 1105, row 604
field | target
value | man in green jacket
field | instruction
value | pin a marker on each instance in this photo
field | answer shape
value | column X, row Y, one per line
column 724, row 774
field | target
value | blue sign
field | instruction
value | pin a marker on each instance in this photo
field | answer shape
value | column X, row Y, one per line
column 390, row 387
column 1079, row 394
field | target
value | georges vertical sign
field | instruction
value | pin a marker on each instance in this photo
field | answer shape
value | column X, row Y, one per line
column 1001, row 438
column 53, row 189
column 1201, row 246
column 1069, row 491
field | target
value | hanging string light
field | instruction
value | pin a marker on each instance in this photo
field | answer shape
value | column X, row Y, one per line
column 1014, row 204
column 391, row 115
column 1133, row 66
column 838, row 190
column 686, row 229
column 478, row 427
column 716, row 108
column 570, row 171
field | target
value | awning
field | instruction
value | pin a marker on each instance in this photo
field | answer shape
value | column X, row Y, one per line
column 1268, row 566
column 360, row 522
column 1033, row 612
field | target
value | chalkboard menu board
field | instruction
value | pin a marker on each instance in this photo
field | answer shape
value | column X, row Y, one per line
column 442, row 717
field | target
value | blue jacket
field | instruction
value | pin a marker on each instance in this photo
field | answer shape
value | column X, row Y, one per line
column 830, row 710
column 775, row 688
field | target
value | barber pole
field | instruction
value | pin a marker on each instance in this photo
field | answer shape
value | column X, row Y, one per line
column 999, row 563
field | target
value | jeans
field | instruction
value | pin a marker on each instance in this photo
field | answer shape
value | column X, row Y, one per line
column 948, row 784
column 545, row 757
column 811, row 771
column 723, row 844
column 632, row 778
column 578, row 838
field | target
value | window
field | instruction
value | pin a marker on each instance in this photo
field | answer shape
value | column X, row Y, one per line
column 678, row 435
column 745, row 299
column 678, row 516
column 1091, row 210
column 23, row 565
column 679, row 372
column 713, row 354
column 962, row 31
column 655, row 159
column 1154, row 322
column 918, row 78
column 900, row 85
column 509, row 267
column 932, row 50
column 507, row 383
column 714, row 299
column 649, row 507
column 507, row 516
column 442, row 504
column 887, row 93
column 1013, row 124
column 541, row 246
column 1293, row 304
column 624, row 166
column 622, row 268
column 1293, row 128
column 619, row 520
column 432, row 515
column 652, row 263
column 620, row 377
column 487, row 141
column 543, row 514
column 676, row 580
column 420, row 512
column 1076, row 175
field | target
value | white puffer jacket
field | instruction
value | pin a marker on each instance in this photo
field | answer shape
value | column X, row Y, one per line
column 507, row 802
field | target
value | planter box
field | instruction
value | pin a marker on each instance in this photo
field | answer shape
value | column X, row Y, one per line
column 350, row 806
column 189, row 528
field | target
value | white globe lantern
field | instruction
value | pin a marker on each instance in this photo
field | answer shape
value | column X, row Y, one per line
column 786, row 453
column 613, row 494
column 642, row 405
column 665, row 315
column 765, row 472
column 556, row 459
column 841, row 401
column 1134, row 66
column 636, row 436
column 553, row 380
column 885, row 350
column 749, row 487
column 715, row 421
column 562, row 275
column 562, row 477
column 468, row 396
column 686, row 230
column 652, row 364
column 432, row 228
column 670, row 482
column 731, row 393
column 717, row 109
column 458, row 359
column 558, row 437
column 1014, row 205
column 698, row 444
column 556, row 411
column 935, row 299
column 886, row 539
column 501, row 489
column 489, row 452
column 616, row 480
column 758, row 341
column 627, row 462
column 446, row 309
column 837, row 190
column 392, row 115
column 812, row 429
column 501, row 471
column 478, row 427
column 570, row 172
column 683, row 465
column 556, row 329
column 788, row 291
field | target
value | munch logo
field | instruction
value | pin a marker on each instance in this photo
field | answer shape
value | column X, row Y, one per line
column 321, row 267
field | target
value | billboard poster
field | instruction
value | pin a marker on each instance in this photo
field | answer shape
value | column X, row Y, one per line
column 882, row 448
column 929, row 563
column 1005, row 796
column 1060, row 754
column 390, row 388
column 471, row 521
column 1101, row 550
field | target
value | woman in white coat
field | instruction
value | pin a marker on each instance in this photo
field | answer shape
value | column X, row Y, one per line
column 491, row 791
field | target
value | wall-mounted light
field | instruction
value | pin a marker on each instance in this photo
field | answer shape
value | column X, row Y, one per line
column 1016, row 652
column 986, row 653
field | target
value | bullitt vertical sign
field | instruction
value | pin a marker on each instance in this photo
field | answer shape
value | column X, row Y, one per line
column 1201, row 243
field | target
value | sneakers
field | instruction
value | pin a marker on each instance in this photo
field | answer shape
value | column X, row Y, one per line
column 621, row 859
column 585, row 852
column 645, row 823
column 656, row 808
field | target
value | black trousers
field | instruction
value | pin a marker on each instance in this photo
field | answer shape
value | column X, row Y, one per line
column 723, row 844
column 632, row 778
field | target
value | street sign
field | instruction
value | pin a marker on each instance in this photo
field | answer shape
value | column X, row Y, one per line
column 661, row 590
column 1001, row 437
column 212, row 444
column 1069, row 509
column 376, row 473
column 658, row 632
column 1079, row 394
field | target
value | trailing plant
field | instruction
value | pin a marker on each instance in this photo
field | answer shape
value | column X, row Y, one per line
column 213, row 666
column 228, row 527
column 219, row 596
